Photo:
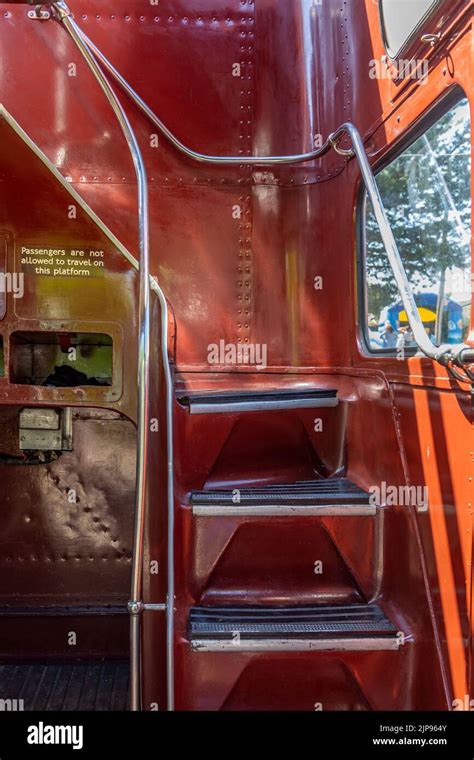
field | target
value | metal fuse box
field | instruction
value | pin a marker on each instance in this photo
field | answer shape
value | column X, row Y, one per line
column 46, row 429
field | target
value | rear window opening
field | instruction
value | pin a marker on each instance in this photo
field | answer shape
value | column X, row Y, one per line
column 61, row 360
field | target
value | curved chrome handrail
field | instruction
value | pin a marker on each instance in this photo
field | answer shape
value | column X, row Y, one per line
column 446, row 354
column 181, row 147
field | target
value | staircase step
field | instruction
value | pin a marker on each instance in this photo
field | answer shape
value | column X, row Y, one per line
column 252, row 401
column 361, row 627
column 332, row 496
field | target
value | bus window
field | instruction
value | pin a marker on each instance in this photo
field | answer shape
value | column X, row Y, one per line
column 400, row 18
column 426, row 191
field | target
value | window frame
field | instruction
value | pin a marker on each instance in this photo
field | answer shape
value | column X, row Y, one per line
column 414, row 34
column 427, row 119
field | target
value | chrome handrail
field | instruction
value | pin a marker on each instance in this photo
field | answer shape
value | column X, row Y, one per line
column 135, row 605
column 193, row 154
column 446, row 354
column 154, row 287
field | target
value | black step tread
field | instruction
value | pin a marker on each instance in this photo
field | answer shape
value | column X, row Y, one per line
column 320, row 621
column 219, row 397
column 87, row 685
column 330, row 490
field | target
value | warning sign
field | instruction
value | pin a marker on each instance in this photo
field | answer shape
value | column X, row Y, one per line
column 63, row 262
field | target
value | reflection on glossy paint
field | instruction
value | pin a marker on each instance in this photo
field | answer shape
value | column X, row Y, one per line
column 451, row 622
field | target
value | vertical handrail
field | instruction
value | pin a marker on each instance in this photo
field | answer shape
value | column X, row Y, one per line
column 135, row 605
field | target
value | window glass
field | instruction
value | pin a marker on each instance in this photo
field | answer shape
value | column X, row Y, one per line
column 427, row 195
column 400, row 18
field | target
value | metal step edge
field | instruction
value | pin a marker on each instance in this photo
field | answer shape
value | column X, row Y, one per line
column 279, row 510
column 206, row 404
column 342, row 644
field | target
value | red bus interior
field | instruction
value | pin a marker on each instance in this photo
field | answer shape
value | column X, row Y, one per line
column 280, row 507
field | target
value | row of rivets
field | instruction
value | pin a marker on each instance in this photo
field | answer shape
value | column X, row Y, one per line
column 244, row 262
